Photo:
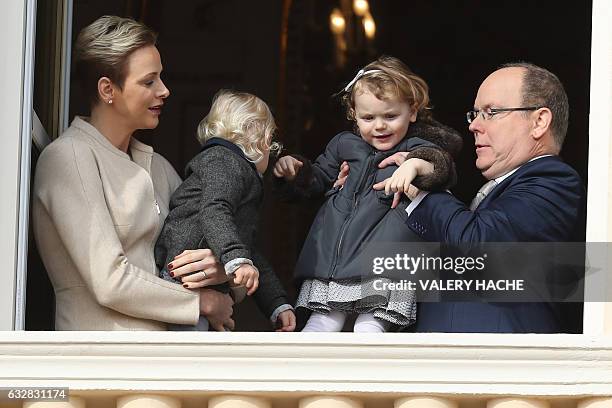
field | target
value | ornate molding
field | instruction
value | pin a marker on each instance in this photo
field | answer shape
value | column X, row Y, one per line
column 435, row 364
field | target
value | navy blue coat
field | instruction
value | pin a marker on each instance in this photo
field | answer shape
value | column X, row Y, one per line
column 356, row 215
column 543, row 201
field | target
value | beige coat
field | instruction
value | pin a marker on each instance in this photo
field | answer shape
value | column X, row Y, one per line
column 96, row 217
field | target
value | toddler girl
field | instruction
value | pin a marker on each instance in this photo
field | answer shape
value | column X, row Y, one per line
column 389, row 105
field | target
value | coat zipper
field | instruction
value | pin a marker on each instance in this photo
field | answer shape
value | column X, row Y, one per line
column 346, row 223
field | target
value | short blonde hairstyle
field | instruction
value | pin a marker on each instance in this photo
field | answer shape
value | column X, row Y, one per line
column 103, row 48
column 390, row 78
column 243, row 119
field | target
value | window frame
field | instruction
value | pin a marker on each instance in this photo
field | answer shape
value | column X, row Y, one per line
column 599, row 220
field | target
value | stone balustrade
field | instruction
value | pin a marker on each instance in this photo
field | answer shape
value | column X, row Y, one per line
column 309, row 370
column 317, row 401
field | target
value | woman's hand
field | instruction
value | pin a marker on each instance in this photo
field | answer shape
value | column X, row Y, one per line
column 285, row 321
column 248, row 276
column 287, row 167
column 217, row 307
column 197, row 268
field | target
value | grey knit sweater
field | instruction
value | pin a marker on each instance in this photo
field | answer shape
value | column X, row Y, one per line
column 217, row 207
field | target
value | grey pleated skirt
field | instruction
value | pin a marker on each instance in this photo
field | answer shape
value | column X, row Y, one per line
column 359, row 296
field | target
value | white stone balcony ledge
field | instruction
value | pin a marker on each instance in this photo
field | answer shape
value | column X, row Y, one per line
column 568, row 366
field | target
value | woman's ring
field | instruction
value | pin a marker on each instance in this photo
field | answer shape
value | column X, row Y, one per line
column 205, row 276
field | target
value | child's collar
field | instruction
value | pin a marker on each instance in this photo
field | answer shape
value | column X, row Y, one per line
column 217, row 141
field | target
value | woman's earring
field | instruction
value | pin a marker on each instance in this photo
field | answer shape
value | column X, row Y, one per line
column 110, row 101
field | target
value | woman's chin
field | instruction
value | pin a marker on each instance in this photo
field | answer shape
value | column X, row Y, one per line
column 151, row 124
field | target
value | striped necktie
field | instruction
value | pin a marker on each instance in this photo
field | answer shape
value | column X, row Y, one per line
column 482, row 193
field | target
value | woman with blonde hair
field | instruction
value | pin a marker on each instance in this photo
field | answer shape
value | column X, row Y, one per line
column 100, row 197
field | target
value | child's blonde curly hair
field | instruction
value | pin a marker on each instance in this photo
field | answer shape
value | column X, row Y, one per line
column 243, row 119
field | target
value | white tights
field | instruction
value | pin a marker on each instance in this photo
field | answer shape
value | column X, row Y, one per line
column 334, row 321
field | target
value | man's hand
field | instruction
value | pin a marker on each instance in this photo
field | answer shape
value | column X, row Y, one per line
column 248, row 276
column 217, row 308
column 344, row 171
column 285, row 321
column 197, row 268
column 287, row 167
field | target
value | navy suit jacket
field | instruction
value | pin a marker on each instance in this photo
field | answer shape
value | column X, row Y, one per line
column 543, row 201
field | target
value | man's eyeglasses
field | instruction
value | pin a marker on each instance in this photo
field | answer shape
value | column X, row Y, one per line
column 488, row 113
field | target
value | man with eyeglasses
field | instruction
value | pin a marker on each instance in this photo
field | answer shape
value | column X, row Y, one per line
column 519, row 122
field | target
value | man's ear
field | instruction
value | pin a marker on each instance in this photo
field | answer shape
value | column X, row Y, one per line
column 542, row 121
column 105, row 89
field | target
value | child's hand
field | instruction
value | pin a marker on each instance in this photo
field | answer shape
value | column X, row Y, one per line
column 287, row 167
column 400, row 181
column 248, row 276
column 285, row 321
